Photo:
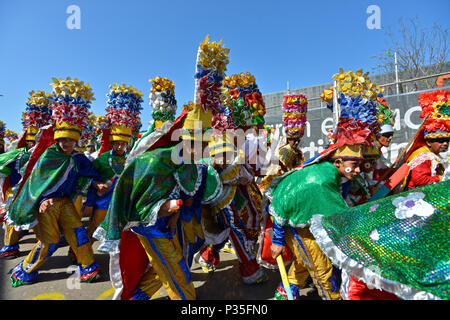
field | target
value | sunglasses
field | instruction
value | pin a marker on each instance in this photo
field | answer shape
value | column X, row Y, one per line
column 388, row 134
column 440, row 140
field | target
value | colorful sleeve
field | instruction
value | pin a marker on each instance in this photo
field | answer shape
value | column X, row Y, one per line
column 86, row 168
column 421, row 175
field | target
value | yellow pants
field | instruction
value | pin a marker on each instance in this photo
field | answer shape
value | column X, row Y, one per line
column 97, row 217
column 78, row 203
column 11, row 236
column 168, row 268
column 310, row 261
column 62, row 217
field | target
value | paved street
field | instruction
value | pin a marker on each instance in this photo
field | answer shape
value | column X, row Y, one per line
column 57, row 280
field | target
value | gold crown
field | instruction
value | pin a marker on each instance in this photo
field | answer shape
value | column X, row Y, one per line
column 66, row 130
column 349, row 152
column 120, row 133
column 221, row 144
column 31, row 133
column 196, row 124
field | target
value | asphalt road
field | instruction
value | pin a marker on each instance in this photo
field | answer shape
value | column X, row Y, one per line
column 57, row 280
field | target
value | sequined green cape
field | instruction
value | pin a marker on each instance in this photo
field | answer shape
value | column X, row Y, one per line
column 50, row 169
column 144, row 185
column 299, row 194
column 400, row 244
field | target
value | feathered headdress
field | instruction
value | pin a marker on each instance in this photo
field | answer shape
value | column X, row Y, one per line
column 386, row 117
column 248, row 107
column 294, row 115
column 356, row 112
column 162, row 99
column 212, row 60
column 436, row 106
column 70, row 107
column 37, row 113
column 123, row 109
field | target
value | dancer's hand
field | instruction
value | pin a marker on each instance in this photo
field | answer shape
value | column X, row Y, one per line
column 102, row 188
column 165, row 209
column 276, row 250
column 46, row 205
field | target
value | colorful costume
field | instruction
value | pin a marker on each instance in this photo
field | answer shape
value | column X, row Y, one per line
column 397, row 244
column 238, row 214
column 123, row 108
column 421, row 161
column 294, row 118
column 150, row 180
column 14, row 162
column 292, row 196
column 386, row 118
column 55, row 176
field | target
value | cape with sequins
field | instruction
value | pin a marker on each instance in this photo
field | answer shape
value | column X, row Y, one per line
column 398, row 244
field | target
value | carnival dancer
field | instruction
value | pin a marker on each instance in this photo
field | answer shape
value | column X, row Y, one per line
column 13, row 163
column 45, row 200
column 293, row 196
column 294, row 118
column 386, row 118
column 123, row 108
column 161, row 191
column 425, row 165
column 241, row 215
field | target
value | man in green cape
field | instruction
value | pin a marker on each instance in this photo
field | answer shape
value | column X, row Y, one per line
column 44, row 202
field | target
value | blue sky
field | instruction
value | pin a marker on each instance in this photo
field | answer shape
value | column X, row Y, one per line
column 303, row 42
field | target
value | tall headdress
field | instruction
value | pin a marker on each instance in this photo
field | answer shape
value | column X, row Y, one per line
column 2, row 132
column 123, row 109
column 294, row 115
column 162, row 99
column 354, row 108
column 386, row 117
column 70, row 108
column 212, row 60
column 436, row 109
column 247, row 105
column 37, row 113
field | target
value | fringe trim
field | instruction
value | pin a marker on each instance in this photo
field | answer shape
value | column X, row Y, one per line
column 359, row 271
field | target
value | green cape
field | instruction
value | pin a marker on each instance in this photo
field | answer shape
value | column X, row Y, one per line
column 108, row 165
column 144, row 185
column 11, row 156
column 299, row 194
column 48, row 172
column 399, row 244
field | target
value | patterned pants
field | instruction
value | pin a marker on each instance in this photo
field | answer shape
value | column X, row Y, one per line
column 168, row 268
column 10, row 239
column 311, row 261
column 248, row 266
column 61, row 218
